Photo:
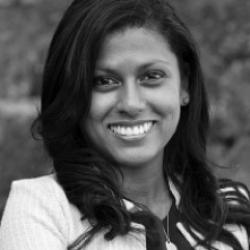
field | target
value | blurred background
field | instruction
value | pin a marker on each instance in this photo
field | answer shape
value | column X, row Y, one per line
column 222, row 31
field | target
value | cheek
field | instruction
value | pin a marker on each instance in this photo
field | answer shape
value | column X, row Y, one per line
column 166, row 101
column 101, row 105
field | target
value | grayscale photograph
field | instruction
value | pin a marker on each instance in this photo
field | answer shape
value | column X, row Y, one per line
column 124, row 125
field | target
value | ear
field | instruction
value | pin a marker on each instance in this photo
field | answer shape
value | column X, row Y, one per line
column 184, row 94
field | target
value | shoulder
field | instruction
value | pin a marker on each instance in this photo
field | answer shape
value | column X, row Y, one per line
column 40, row 206
column 36, row 194
column 46, row 186
column 237, row 198
column 234, row 193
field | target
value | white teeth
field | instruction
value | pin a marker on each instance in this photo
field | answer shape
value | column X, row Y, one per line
column 141, row 130
column 123, row 131
column 136, row 130
column 130, row 131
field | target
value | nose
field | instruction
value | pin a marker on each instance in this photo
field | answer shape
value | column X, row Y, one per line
column 131, row 100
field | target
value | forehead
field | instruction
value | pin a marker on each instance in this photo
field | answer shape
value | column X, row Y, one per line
column 134, row 43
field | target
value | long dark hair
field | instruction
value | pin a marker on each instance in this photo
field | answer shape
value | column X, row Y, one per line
column 87, row 178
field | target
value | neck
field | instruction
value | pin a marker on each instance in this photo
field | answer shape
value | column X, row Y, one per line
column 147, row 186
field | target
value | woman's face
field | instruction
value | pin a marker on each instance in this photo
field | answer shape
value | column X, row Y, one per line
column 136, row 97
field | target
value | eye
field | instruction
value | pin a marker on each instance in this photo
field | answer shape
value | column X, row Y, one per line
column 153, row 75
column 105, row 82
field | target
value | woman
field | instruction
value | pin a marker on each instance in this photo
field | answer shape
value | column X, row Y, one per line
column 124, row 116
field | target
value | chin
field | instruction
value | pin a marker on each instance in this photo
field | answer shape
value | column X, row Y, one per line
column 136, row 160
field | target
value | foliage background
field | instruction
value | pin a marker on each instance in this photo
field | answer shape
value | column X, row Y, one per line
column 222, row 31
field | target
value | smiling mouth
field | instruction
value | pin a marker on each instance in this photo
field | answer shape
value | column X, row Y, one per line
column 131, row 131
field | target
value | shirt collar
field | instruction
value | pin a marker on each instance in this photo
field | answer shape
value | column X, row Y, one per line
column 175, row 192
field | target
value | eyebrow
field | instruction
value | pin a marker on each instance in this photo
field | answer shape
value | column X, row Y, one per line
column 141, row 67
column 147, row 65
